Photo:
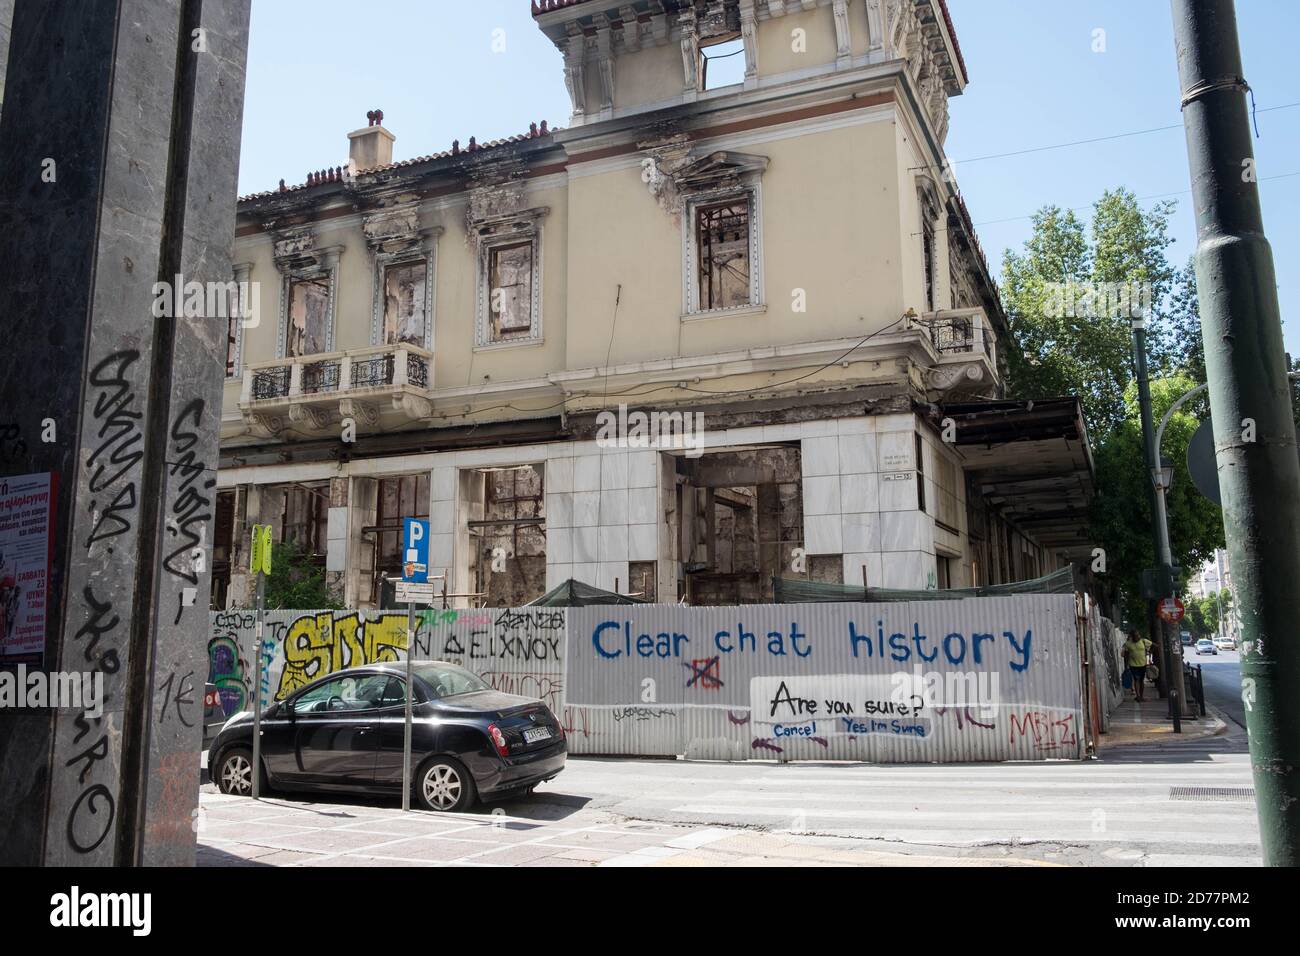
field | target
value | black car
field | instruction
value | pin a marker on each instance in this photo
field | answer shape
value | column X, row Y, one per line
column 344, row 732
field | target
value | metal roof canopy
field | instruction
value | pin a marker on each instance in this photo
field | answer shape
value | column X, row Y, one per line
column 1032, row 463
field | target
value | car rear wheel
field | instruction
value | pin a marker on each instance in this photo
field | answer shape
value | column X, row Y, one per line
column 444, row 786
column 235, row 773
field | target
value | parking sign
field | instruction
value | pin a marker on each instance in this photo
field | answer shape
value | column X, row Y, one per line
column 415, row 550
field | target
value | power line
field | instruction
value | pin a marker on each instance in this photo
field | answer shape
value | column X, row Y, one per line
column 1181, row 192
column 1095, row 139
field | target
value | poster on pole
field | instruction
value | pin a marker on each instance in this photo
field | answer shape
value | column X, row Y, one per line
column 26, row 541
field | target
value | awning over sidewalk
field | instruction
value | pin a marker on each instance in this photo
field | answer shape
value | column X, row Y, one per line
column 1031, row 461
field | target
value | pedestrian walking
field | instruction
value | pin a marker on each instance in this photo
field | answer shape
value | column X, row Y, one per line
column 1137, row 650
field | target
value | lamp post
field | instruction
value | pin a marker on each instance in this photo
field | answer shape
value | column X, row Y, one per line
column 1162, row 472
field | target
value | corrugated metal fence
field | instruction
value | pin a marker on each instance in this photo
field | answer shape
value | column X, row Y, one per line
column 998, row 678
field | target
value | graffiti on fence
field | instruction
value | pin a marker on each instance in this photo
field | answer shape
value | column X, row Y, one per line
column 517, row 651
column 980, row 679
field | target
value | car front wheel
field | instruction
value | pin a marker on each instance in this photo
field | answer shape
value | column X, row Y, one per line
column 444, row 785
column 235, row 773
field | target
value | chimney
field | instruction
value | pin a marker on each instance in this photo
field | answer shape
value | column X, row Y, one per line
column 371, row 146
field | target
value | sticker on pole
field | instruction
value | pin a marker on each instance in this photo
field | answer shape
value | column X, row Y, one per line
column 415, row 550
column 259, row 552
column 1171, row 610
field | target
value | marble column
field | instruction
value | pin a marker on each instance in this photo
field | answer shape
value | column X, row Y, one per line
column 119, row 154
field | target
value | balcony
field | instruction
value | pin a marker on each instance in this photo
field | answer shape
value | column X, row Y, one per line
column 386, row 384
column 965, row 349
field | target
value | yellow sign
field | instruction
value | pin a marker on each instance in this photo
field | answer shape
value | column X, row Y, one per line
column 259, row 554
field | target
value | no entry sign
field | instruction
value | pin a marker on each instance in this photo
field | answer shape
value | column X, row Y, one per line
column 1171, row 610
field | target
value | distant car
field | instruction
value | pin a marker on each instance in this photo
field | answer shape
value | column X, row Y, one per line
column 1185, row 637
column 344, row 732
column 1225, row 643
column 1206, row 646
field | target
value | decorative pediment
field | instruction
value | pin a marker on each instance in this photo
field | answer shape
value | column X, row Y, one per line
column 498, row 205
column 294, row 248
column 392, row 230
column 718, row 170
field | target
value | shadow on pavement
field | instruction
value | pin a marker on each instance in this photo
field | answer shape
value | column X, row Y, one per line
column 543, row 806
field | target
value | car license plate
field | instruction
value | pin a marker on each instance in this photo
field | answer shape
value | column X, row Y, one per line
column 534, row 734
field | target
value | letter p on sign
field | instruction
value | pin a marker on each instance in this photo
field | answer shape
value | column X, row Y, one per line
column 415, row 547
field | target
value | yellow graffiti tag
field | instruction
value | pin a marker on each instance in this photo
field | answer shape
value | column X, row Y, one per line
column 320, row 644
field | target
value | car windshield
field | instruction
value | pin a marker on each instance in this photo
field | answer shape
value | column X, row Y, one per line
column 448, row 680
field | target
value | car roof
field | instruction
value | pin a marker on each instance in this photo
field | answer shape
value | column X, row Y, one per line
column 393, row 668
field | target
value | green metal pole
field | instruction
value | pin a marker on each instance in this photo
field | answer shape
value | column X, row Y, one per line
column 1171, row 657
column 1254, row 436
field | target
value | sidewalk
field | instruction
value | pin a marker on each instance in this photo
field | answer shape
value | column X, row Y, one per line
column 236, row 831
column 1149, row 723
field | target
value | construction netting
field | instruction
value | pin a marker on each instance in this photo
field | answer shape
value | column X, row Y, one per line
column 799, row 591
column 576, row 594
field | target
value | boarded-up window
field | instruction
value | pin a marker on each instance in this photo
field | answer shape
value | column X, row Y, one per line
column 309, row 309
column 510, row 277
column 722, row 250
column 404, row 299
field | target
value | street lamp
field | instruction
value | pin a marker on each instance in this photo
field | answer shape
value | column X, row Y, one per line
column 1163, row 477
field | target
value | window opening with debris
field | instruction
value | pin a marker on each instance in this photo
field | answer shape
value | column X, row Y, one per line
column 309, row 307
column 722, row 252
column 507, row 532
column 223, row 539
column 303, row 520
column 510, row 278
column 234, row 304
column 740, row 520
column 399, row 496
column 404, row 303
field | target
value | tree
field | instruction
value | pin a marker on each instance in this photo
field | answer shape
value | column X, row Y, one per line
column 296, row 582
column 1176, row 344
column 1081, row 345
column 1068, row 339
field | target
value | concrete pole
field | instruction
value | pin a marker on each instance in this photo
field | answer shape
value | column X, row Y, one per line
column 1250, row 400
column 119, row 154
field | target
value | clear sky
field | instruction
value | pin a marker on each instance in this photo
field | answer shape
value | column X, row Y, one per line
column 450, row 69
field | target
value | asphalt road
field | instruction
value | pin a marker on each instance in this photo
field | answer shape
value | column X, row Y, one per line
column 1222, row 674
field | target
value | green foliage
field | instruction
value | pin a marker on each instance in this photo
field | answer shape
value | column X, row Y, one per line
column 1194, row 617
column 1086, row 354
column 1090, row 355
column 296, row 582
column 1122, row 516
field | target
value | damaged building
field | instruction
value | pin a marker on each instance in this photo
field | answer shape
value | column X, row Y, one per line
column 747, row 222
